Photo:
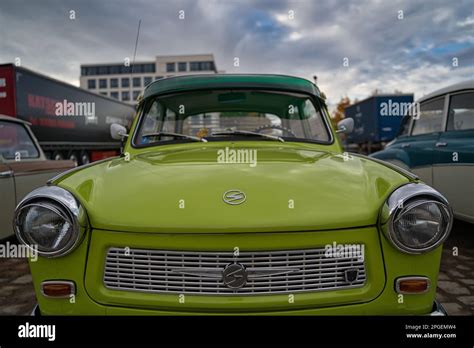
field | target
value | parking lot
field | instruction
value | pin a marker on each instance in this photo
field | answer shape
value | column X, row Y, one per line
column 456, row 280
column 455, row 285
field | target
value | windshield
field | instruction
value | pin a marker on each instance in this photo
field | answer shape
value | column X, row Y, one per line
column 210, row 114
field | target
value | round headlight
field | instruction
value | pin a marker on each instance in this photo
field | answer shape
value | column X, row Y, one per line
column 45, row 226
column 47, row 220
column 416, row 218
column 420, row 226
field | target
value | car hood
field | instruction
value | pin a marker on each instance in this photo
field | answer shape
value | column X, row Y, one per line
column 179, row 188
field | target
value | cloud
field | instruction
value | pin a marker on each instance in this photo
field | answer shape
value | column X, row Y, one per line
column 412, row 54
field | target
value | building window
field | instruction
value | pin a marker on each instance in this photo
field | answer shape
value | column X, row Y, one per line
column 143, row 68
column 149, row 68
column 117, row 69
column 103, row 70
column 114, row 95
column 202, row 66
column 170, row 67
column 147, row 80
column 91, row 84
column 114, row 69
column 88, row 70
column 113, row 83
column 137, row 68
column 136, row 94
column 103, row 93
column 102, row 83
column 125, row 69
column 125, row 82
column 125, row 95
column 182, row 66
column 137, row 82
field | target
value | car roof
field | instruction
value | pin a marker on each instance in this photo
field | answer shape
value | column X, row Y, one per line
column 223, row 81
column 13, row 119
column 449, row 89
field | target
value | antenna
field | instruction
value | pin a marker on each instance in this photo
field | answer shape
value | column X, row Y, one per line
column 134, row 56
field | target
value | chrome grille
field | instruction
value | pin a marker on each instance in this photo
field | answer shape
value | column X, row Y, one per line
column 189, row 272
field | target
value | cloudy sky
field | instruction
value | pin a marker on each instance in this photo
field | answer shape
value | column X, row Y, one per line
column 389, row 45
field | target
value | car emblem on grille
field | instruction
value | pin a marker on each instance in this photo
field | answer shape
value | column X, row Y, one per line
column 234, row 197
column 234, row 276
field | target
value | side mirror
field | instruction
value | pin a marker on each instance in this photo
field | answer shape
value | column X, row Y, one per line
column 117, row 131
column 345, row 126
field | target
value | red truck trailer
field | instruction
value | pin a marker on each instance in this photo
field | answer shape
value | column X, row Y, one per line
column 69, row 122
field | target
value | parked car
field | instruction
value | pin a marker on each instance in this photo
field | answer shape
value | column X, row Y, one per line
column 233, row 196
column 438, row 145
column 23, row 168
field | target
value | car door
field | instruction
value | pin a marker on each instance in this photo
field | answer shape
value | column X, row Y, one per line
column 419, row 147
column 7, row 204
column 453, row 170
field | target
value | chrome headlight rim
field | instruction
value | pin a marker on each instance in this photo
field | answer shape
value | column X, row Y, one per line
column 402, row 200
column 60, row 202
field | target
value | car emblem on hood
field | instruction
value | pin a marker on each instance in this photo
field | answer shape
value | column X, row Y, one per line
column 234, row 197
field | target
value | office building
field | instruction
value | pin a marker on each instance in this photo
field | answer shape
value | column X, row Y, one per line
column 120, row 81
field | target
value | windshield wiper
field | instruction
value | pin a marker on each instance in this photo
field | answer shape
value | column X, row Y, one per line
column 242, row 132
column 177, row 135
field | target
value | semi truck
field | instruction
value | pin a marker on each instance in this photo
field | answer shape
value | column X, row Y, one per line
column 69, row 122
column 377, row 121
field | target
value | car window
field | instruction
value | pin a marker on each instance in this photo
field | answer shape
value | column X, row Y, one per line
column 404, row 126
column 15, row 142
column 430, row 118
column 201, row 113
column 461, row 111
column 315, row 120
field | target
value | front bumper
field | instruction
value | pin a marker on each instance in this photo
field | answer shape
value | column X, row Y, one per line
column 437, row 311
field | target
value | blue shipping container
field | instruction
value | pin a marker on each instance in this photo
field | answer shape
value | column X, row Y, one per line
column 377, row 118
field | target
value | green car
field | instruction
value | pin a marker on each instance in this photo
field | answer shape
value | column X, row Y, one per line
column 233, row 197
